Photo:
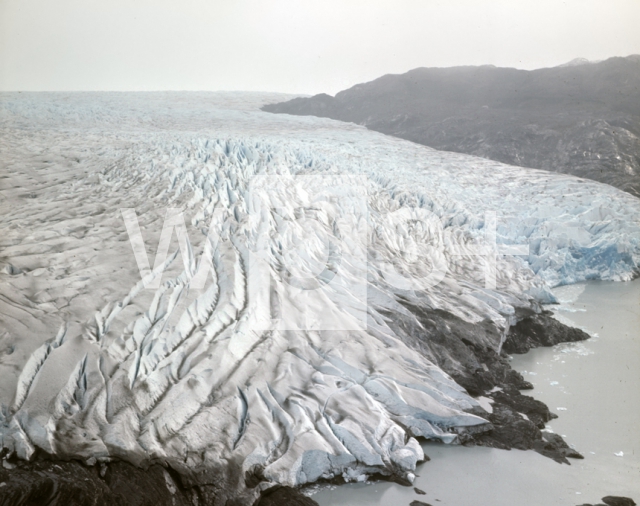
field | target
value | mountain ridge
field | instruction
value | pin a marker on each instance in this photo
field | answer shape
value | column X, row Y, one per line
column 582, row 120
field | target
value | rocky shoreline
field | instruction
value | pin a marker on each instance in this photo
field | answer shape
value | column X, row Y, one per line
column 612, row 500
column 461, row 350
column 455, row 345
column 72, row 483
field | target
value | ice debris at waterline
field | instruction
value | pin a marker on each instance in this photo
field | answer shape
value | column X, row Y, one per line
column 255, row 374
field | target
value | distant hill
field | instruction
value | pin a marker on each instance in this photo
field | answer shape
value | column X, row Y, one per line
column 580, row 118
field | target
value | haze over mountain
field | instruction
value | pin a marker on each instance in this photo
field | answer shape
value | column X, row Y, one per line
column 580, row 118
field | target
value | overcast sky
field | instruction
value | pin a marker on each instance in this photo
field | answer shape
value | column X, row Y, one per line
column 299, row 46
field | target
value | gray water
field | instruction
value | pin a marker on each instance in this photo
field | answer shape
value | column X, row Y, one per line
column 594, row 388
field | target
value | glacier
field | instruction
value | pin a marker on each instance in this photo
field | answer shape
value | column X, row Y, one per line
column 261, row 375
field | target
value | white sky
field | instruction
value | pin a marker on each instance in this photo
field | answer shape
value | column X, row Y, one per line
column 299, row 46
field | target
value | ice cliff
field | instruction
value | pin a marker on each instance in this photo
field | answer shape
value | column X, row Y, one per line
column 258, row 373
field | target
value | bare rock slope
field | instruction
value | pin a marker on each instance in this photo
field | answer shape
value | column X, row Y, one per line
column 580, row 119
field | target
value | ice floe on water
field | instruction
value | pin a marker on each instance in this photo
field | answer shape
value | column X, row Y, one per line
column 577, row 348
column 226, row 356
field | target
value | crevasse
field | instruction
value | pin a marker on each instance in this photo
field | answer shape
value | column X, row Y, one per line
column 286, row 384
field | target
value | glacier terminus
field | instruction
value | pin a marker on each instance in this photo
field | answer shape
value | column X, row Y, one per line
column 254, row 299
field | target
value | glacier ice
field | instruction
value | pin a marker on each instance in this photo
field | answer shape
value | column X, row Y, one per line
column 285, row 386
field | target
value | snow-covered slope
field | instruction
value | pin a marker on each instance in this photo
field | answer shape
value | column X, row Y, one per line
column 260, row 376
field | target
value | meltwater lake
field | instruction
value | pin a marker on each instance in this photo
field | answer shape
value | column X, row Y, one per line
column 594, row 387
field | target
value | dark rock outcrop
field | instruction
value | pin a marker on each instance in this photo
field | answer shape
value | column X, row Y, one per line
column 468, row 353
column 281, row 496
column 540, row 330
column 611, row 500
column 59, row 483
column 581, row 119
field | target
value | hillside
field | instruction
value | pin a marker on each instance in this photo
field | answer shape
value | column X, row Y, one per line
column 581, row 119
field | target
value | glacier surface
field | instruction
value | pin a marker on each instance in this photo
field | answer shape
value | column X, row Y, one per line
column 261, row 375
